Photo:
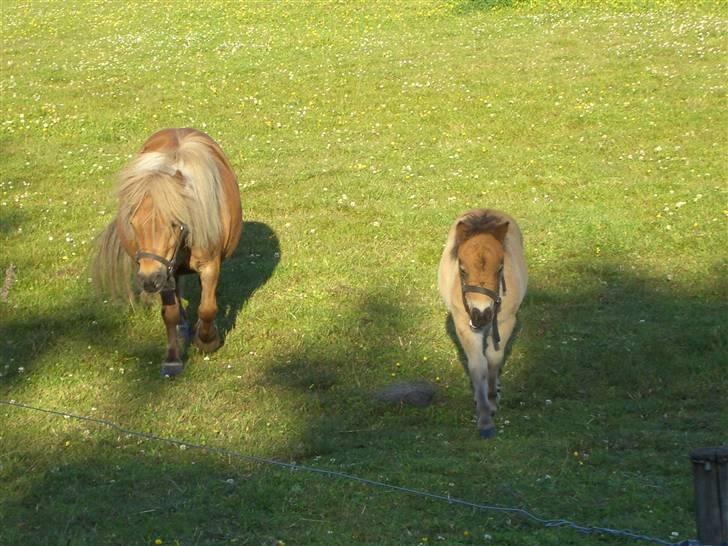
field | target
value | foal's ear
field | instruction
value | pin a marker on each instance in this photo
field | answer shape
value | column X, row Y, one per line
column 500, row 232
column 461, row 233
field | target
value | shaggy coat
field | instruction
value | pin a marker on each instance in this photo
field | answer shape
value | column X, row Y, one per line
column 179, row 212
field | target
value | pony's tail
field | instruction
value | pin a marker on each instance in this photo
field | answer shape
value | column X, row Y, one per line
column 111, row 267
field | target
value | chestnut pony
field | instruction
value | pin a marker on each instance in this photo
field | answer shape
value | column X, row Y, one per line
column 179, row 213
column 482, row 279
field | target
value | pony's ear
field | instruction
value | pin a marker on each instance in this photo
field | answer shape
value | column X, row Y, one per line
column 461, row 233
column 180, row 179
column 500, row 232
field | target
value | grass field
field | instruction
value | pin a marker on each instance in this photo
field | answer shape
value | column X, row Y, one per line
column 359, row 131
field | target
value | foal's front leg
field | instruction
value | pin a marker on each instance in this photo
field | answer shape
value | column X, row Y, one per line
column 206, row 337
column 495, row 360
column 472, row 343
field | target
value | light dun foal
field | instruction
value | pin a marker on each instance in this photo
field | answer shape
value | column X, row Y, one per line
column 482, row 278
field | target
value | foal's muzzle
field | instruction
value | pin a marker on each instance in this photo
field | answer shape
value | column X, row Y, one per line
column 480, row 319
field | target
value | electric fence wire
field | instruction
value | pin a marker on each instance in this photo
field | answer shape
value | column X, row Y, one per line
column 550, row 523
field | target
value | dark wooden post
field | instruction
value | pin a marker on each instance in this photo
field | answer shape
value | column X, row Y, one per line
column 710, row 476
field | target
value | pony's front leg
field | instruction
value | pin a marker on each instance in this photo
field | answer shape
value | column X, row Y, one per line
column 472, row 343
column 171, row 312
column 206, row 337
column 495, row 360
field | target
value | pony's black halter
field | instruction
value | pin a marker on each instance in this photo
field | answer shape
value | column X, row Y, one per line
column 495, row 296
column 171, row 265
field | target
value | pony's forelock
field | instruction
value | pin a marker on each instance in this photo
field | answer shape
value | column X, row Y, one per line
column 184, row 186
column 474, row 223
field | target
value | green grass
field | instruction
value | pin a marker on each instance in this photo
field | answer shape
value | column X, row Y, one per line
column 359, row 131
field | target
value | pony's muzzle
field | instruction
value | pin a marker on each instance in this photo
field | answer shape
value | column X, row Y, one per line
column 480, row 318
column 152, row 282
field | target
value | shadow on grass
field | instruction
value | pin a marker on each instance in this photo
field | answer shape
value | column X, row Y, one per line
column 25, row 340
column 249, row 268
column 87, row 322
column 624, row 336
column 623, row 349
column 136, row 493
column 338, row 371
column 10, row 220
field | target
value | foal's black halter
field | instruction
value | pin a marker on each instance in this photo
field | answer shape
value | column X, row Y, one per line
column 495, row 296
column 171, row 265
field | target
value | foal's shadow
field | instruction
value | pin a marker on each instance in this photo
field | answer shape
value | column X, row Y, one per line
column 249, row 268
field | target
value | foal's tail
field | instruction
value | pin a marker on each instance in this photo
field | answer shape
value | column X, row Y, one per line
column 111, row 268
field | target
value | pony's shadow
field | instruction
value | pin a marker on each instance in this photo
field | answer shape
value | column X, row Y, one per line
column 249, row 268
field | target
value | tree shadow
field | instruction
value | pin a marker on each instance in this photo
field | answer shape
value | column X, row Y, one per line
column 87, row 322
column 616, row 339
column 623, row 335
column 616, row 351
column 370, row 337
column 27, row 339
column 185, row 497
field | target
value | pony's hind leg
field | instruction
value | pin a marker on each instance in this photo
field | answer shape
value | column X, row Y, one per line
column 472, row 343
column 171, row 312
column 206, row 337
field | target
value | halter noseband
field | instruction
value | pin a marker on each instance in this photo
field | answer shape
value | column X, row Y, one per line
column 495, row 296
column 171, row 265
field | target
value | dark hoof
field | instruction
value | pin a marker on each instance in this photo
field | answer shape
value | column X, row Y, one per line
column 172, row 369
column 486, row 433
column 207, row 346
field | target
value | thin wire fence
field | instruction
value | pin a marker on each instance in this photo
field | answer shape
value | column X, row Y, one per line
column 549, row 523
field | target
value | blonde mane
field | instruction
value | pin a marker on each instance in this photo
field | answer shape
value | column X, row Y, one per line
column 185, row 186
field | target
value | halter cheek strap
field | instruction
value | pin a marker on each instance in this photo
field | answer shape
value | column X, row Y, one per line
column 170, row 285
column 495, row 296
